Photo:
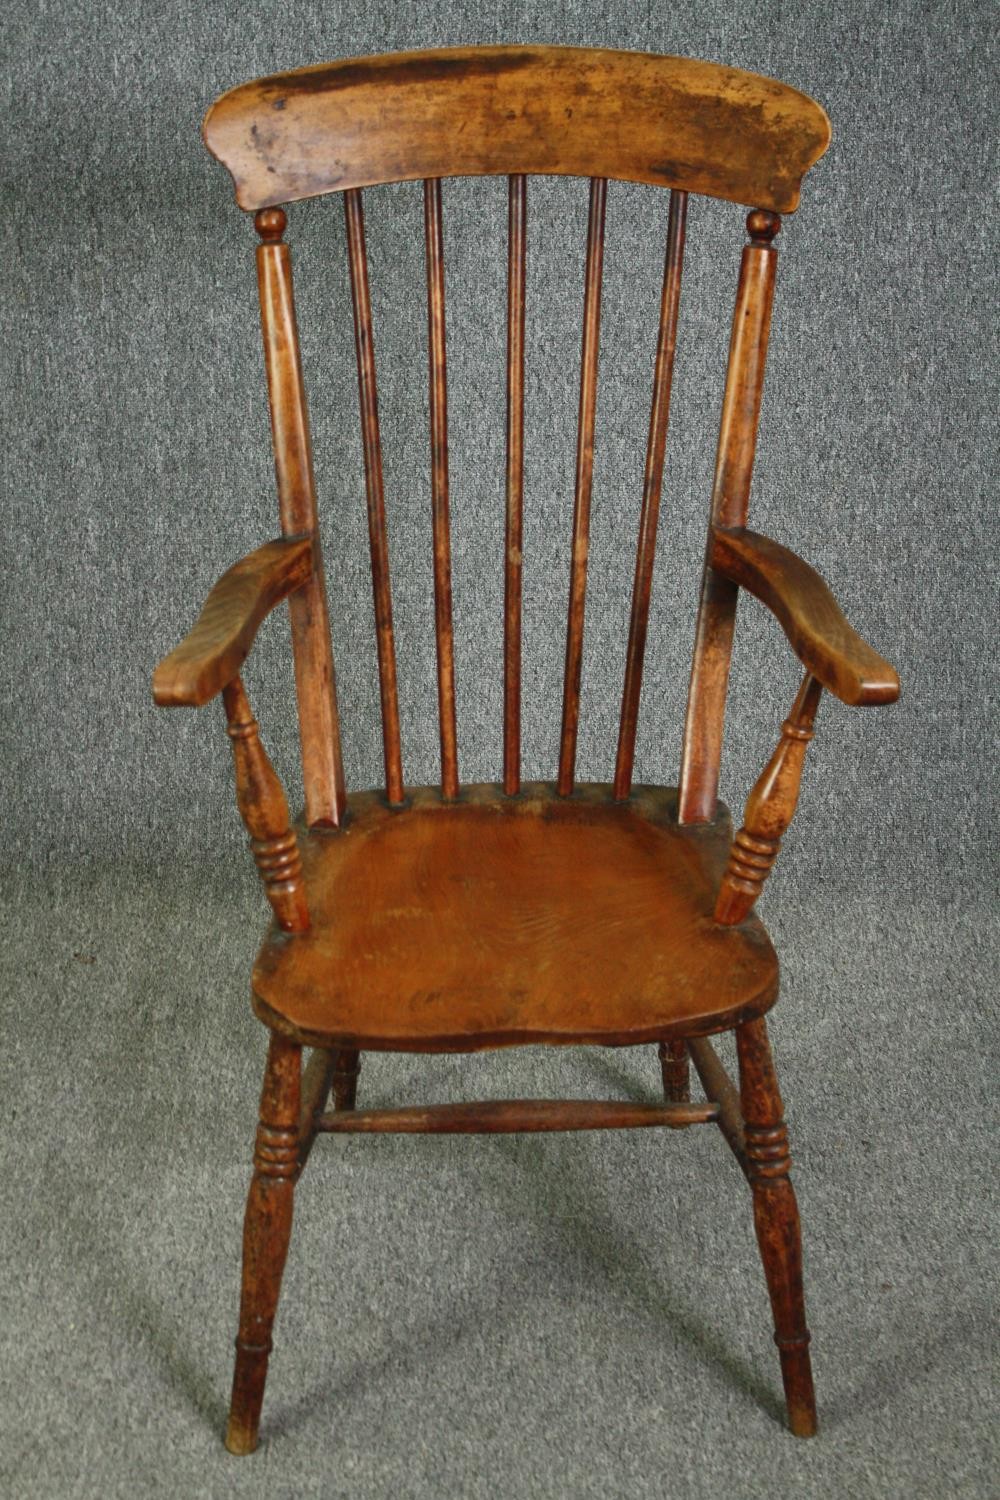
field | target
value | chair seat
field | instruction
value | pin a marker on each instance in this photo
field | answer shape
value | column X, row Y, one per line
column 494, row 921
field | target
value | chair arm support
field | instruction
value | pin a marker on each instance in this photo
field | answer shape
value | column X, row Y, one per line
column 807, row 612
column 769, row 810
column 214, row 650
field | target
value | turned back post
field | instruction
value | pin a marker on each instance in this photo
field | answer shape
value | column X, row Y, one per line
column 516, row 111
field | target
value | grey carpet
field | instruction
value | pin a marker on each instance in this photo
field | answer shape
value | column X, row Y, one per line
column 550, row 1317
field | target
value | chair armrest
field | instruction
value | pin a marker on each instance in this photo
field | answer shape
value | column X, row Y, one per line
column 807, row 612
column 214, row 650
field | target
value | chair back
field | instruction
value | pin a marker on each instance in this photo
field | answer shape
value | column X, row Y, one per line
column 675, row 123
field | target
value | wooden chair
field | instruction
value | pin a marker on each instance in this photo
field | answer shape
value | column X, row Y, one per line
column 448, row 919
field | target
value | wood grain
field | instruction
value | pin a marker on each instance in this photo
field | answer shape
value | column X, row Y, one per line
column 517, row 233
column 720, row 1089
column 702, row 752
column 455, row 919
column 589, row 356
column 674, row 1070
column 267, row 1229
column 315, row 677
column 264, row 810
column 217, row 645
column 652, row 485
column 807, row 612
column 508, row 1116
column 497, row 920
column 317, row 1078
column 668, row 121
column 377, row 534
column 776, row 1219
column 769, row 810
column 437, row 347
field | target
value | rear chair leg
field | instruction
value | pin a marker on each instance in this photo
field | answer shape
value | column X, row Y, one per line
column 346, row 1067
column 676, row 1073
column 266, row 1232
column 776, row 1219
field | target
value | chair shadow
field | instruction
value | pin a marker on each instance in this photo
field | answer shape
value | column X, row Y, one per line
column 598, row 1235
column 144, row 1314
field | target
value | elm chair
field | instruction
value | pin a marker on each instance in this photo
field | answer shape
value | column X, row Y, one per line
column 456, row 918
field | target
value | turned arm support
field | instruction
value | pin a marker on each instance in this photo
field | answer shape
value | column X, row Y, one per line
column 208, row 662
column 214, row 650
column 769, row 810
column 834, row 656
column 263, row 807
column 827, row 646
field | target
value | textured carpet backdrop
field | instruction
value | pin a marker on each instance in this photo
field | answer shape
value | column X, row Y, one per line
column 581, row 1316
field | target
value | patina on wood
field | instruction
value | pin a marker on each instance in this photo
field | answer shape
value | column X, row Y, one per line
column 215, row 648
column 463, row 111
column 499, row 921
column 458, row 917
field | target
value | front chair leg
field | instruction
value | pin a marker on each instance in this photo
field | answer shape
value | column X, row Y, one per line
column 267, row 1229
column 346, row 1067
column 776, row 1219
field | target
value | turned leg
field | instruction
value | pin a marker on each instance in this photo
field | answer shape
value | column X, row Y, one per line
column 346, row 1067
column 266, row 1232
column 674, row 1067
column 776, row 1219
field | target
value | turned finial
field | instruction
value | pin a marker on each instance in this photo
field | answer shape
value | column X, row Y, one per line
column 762, row 226
column 270, row 224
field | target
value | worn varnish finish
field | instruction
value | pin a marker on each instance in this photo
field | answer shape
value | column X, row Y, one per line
column 267, row 1230
column 652, row 486
column 317, row 1078
column 377, row 535
column 584, row 484
column 674, row 1070
column 517, row 232
column 346, row 1067
column 458, row 918
column 439, row 486
column 264, row 809
column 702, row 753
column 497, row 922
column 719, row 1088
column 769, row 810
column 215, row 648
column 807, row 612
column 507, row 1116
column 776, row 1219
column 315, row 681
column 586, row 112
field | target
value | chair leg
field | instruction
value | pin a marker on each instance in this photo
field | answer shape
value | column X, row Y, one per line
column 346, row 1067
column 776, row 1219
column 676, row 1072
column 266, row 1231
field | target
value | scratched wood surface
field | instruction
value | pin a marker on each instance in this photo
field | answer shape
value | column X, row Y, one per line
column 587, row 112
column 450, row 918
column 493, row 921
column 215, row 648
column 807, row 612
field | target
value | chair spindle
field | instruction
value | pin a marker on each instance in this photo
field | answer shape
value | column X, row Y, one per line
column 513, row 562
column 584, row 483
column 372, row 443
column 702, row 754
column 437, row 347
column 315, row 679
column 659, row 418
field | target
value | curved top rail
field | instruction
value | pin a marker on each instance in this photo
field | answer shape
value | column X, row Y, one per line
column 468, row 111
